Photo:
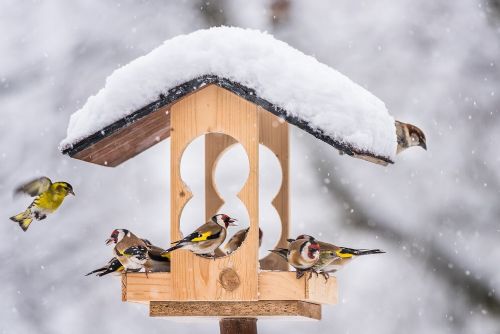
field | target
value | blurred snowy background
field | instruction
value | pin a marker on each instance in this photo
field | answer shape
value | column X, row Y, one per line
column 434, row 63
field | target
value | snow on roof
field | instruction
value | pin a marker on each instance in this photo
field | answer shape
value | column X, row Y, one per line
column 303, row 87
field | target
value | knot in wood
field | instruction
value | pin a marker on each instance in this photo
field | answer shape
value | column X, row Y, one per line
column 229, row 279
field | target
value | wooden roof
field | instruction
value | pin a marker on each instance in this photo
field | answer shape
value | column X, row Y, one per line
column 149, row 125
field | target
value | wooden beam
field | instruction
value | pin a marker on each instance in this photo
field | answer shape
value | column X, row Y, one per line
column 273, row 285
column 128, row 141
column 238, row 326
column 262, row 308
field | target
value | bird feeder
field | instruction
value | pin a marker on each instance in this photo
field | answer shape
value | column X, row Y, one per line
column 226, row 112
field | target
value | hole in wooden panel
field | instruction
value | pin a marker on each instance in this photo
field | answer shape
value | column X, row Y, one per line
column 230, row 177
column 270, row 179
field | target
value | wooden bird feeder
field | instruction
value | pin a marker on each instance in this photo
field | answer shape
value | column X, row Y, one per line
column 238, row 286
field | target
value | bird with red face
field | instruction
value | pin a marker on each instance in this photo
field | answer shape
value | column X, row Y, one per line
column 206, row 238
column 136, row 254
column 302, row 254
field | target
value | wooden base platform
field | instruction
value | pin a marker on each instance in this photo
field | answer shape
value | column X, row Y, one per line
column 272, row 285
column 252, row 309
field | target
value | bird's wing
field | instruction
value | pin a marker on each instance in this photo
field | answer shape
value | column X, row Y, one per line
column 325, row 246
column 34, row 187
column 155, row 252
column 205, row 232
column 139, row 252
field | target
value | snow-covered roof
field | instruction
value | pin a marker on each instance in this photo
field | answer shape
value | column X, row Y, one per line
column 289, row 83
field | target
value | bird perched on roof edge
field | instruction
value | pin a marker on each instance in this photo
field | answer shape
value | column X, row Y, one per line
column 409, row 135
column 206, row 238
column 48, row 197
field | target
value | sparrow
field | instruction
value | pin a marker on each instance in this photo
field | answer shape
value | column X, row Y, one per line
column 112, row 266
column 207, row 238
column 302, row 253
column 237, row 239
column 48, row 197
column 409, row 135
column 135, row 253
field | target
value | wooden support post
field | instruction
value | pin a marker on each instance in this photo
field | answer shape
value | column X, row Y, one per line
column 238, row 326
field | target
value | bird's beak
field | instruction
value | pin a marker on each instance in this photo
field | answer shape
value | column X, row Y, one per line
column 423, row 145
column 109, row 241
column 232, row 222
column 71, row 192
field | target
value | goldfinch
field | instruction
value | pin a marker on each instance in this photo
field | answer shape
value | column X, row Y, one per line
column 302, row 254
column 113, row 266
column 342, row 256
column 48, row 197
column 237, row 239
column 135, row 253
column 332, row 257
column 409, row 135
column 207, row 238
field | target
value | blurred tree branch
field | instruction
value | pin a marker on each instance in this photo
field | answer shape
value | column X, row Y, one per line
column 457, row 277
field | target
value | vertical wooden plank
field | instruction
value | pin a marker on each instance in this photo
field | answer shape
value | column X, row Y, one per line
column 214, row 109
column 215, row 145
column 274, row 135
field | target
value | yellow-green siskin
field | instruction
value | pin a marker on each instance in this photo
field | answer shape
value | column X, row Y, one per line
column 48, row 197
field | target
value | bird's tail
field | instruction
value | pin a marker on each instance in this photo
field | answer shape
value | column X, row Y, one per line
column 23, row 219
column 177, row 246
column 359, row 252
column 97, row 271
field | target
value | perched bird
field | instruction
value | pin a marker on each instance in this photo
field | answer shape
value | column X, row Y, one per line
column 207, row 238
column 135, row 253
column 237, row 239
column 111, row 267
column 409, row 135
column 48, row 197
column 341, row 256
column 332, row 257
column 302, row 254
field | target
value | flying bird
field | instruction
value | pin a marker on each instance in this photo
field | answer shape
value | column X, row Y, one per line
column 48, row 197
column 237, row 239
column 302, row 253
column 207, row 238
column 409, row 135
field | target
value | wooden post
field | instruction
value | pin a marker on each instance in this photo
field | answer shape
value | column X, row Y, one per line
column 238, row 326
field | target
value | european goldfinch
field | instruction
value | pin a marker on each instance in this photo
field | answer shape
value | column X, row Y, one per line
column 237, row 239
column 111, row 267
column 302, row 254
column 49, row 196
column 332, row 257
column 409, row 135
column 206, row 238
column 136, row 254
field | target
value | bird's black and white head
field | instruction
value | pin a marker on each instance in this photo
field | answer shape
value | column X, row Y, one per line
column 224, row 220
column 117, row 236
column 63, row 188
